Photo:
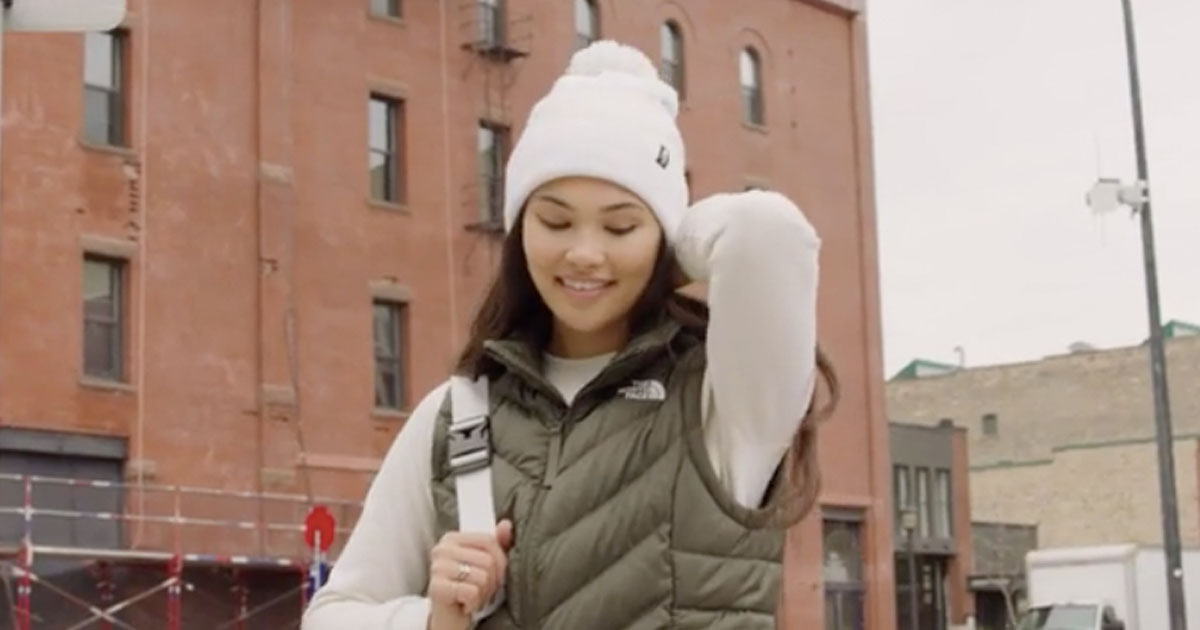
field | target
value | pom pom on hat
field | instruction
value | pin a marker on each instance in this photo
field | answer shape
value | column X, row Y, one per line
column 609, row 56
column 611, row 117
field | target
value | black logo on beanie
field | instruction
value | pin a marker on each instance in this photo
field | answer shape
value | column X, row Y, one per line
column 664, row 156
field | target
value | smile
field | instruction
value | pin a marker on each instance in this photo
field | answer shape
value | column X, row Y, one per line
column 583, row 288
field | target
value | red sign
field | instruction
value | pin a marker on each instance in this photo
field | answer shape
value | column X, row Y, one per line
column 319, row 520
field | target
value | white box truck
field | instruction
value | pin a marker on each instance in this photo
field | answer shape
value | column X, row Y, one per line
column 1112, row 587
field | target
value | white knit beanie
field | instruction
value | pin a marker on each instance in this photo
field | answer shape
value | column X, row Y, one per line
column 609, row 117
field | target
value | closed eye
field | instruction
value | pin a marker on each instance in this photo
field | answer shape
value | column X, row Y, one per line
column 621, row 231
column 553, row 225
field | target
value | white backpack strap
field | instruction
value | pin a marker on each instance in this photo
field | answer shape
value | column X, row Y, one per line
column 470, row 452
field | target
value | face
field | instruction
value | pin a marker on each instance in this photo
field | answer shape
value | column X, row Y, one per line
column 591, row 247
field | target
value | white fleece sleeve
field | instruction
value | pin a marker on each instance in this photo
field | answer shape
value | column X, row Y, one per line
column 379, row 580
column 758, row 253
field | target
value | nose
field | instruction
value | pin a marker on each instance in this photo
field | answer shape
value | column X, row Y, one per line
column 586, row 251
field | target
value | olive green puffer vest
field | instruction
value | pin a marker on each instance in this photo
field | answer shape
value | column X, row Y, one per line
column 620, row 522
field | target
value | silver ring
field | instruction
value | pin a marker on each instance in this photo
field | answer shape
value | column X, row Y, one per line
column 464, row 572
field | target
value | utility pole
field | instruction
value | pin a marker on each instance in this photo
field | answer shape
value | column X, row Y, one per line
column 1158, row 360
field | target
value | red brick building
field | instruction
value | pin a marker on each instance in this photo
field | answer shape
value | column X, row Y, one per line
column 240, row 238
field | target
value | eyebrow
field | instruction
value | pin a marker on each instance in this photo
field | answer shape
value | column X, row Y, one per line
column 620, row 205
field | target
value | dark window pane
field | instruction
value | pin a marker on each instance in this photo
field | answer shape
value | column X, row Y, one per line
column 100, row 349
column 491, row 146
column 381, row 176
column 384, row 146
column 388, row 325
column 98, row 115
column 923, row 508
column 102, row 318
column 941, row 496
column 843, row 556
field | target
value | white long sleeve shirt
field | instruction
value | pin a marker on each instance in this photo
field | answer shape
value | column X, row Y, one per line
column 758, row 254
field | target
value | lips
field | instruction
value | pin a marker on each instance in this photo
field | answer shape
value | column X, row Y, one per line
column 581, row 288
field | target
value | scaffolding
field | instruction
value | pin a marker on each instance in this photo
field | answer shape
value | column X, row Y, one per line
column 184, row 550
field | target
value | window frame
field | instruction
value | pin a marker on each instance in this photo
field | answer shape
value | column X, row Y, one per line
column 924, row 502
column 393, row 9
column 395, row 357
column 592, row 11
column 490, row 173
column 394, row 186
column 491, row 26
column 841, row 593
column 115, row 95
column 753, row 100
column 117, row 320
column 672, row 70
column 943, row 512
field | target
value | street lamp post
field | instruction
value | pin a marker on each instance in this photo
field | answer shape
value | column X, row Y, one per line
column 1105, row 196
column 908, row 522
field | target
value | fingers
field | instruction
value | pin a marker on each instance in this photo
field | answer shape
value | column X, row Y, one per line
column 464, row 594
column 467, row 569
column 504, row 534
column 496, row 562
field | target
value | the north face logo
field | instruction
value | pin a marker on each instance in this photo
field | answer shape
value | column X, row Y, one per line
column 664, row 156
column 643, row 390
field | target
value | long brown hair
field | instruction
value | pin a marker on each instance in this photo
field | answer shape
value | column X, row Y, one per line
column 513, row 308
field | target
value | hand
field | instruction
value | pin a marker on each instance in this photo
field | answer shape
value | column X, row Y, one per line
column 466, row 571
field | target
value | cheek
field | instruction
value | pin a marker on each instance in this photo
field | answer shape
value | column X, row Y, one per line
column 636, row 257
column 541, row 253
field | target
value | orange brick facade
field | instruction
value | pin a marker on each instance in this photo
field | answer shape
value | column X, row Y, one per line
column 254, row 251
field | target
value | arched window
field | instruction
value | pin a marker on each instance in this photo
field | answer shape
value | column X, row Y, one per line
column 671, row 63
column 587, row 23
column 750, row 75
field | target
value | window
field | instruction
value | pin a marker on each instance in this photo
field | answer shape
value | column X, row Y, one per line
column 587, row 23
column 390, row 328
column 750, row 74
column 386, row 8
column 991, row 425
column 385, row 157
column 103, row 317
column 104, row 88
column 843, row 573
column 492, row 147
column 671, row 63
column 491, row 23
column 923, row 506
column 941, row 504
column 902, row 490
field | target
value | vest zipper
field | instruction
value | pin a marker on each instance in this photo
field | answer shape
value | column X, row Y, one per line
column 556, row 439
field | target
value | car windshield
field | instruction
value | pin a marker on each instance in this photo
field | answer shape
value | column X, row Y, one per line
column 1070, row 617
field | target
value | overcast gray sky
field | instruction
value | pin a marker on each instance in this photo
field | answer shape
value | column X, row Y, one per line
column 992, row 119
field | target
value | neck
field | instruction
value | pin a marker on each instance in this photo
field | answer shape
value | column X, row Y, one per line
column 570, row 344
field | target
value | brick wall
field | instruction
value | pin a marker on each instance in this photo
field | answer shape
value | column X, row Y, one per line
column 1071, row 399
column 1093, row 495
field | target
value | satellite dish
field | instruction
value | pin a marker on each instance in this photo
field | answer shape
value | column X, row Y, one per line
column 63, row 15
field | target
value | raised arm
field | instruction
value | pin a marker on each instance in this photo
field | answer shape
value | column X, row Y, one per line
column 758, row 254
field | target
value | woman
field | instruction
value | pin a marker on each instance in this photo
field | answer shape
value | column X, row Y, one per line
column 638, row 438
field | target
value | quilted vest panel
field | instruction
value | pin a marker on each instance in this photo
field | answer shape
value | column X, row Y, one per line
column 619, row 521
